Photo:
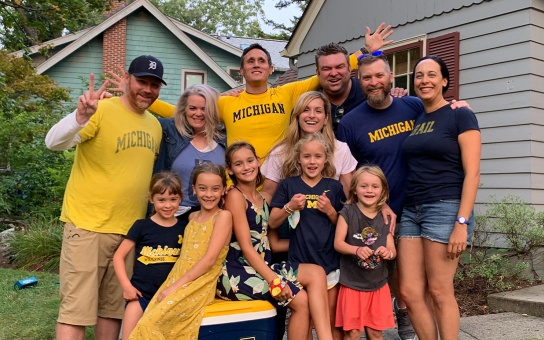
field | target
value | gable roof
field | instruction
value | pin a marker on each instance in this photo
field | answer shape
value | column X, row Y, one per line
column 65, row 39
column 347, row 21
column 177, row 28
column 273, row 46
column 289, row 76
column 302, row 27
column 207, row 38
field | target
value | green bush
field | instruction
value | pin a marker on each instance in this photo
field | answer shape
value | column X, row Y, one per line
column 520, row 226
column 519, row 222
column 33, row 176
column 497, row 271
column 38, row 246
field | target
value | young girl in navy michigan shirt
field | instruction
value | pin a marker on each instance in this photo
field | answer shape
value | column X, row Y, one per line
column 364, row 240
column 311, row 201
column 157, row 242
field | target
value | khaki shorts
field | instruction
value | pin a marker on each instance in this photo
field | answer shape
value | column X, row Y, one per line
column 89, row 287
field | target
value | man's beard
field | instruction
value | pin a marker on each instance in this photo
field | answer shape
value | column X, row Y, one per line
column 379, row 98
column 133, row 98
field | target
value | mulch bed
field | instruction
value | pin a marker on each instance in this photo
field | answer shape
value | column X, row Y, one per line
column 471, row 294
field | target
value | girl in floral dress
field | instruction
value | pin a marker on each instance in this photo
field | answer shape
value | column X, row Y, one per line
column 246, row 274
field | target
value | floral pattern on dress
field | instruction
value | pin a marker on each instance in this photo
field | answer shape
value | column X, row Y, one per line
column 238, row 279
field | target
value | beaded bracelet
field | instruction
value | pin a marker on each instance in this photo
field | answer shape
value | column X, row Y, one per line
column 357, row 251
column 288, row 209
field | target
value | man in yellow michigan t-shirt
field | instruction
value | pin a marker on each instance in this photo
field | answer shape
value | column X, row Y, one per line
column 260, row 115
column 116, row 141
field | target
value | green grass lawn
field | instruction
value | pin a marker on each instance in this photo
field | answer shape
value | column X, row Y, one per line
column 29, row 313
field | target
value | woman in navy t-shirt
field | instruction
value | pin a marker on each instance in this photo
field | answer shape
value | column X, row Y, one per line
column 443, row 157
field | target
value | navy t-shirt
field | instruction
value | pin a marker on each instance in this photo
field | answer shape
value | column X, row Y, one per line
column 312, row 241
column 157, row 249
column 435, row 169
column 376, row 136
column 354, row 99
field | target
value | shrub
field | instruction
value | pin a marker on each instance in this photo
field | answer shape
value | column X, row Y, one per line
column 29, row 105
column 520, row 224
column 498, row 272
column 521, row 227
column 38, row 245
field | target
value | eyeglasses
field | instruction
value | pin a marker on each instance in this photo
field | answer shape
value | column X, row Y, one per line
column 374, row 54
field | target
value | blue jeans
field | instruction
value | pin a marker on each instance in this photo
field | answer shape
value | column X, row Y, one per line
column 434, row 221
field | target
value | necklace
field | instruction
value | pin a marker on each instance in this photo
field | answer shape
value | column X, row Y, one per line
column 200, row 154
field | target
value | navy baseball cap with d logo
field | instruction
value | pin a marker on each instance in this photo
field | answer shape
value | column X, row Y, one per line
column 146, row 65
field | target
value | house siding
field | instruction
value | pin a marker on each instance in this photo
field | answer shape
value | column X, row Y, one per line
column 73, row 72
column 501, row 75
column 273, row 77
column 146, row 35
column 345, row 20
column 222, row 58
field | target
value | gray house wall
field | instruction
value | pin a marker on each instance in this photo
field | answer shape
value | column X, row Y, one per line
column 501, row 74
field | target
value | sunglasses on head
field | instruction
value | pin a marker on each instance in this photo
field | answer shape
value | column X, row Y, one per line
column 375, row 54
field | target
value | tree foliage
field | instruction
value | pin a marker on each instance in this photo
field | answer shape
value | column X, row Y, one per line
column 229, row 17
column 29, row 105
column 30, row 22
column 285, row 31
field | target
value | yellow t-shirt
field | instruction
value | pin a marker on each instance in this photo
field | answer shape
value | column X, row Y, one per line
column 106, row 191
column 260, row 119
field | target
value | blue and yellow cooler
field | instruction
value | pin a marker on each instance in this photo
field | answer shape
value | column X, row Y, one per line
column 251, row 320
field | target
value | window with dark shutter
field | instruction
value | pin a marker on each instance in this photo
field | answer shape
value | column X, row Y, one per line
column 447, row 48
column 401, row 61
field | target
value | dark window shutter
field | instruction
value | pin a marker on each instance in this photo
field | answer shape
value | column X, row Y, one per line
column 447, row 48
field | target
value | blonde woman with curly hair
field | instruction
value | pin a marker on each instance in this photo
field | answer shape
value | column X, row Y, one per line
column 192, row 137
column 311, row 113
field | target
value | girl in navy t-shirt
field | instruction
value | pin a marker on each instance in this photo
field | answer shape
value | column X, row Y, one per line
column 311, row 201
column 157, row 243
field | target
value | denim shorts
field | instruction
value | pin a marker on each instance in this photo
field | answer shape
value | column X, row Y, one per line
column 434, row 221
column 143, row 301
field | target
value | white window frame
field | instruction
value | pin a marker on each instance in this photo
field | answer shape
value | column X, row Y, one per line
column 231, row 68
column 186, row 71
column 397, row 45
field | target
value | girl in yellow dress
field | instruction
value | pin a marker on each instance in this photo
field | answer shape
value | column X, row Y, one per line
column 176, row 311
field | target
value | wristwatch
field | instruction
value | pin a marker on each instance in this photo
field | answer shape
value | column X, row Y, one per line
column 462, row 220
